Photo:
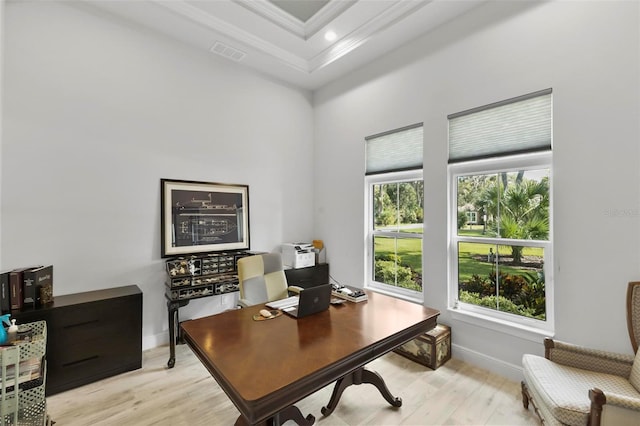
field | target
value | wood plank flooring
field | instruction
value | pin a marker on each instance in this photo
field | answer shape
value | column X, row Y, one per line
column 454, row 394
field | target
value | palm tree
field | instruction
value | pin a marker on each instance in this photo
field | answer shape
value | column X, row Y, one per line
column 519, row 209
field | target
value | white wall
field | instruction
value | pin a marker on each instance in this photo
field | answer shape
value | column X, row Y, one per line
column 588, row 52
column 97, row 111
column 1, row 99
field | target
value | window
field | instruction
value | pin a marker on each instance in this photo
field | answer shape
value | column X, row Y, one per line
column 394, row 212
column 472, row 217
column 500, row 211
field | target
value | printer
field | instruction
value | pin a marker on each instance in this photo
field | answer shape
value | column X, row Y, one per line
column 298, row 255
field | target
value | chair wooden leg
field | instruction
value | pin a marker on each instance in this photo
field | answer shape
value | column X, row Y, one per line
column 525, row 395
column 597, row 401
column 526, row 399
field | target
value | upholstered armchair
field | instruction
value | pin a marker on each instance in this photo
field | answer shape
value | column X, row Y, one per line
column 262, row 279
column 574, row 385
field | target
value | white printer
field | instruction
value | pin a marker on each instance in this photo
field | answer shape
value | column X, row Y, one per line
column 298, row 255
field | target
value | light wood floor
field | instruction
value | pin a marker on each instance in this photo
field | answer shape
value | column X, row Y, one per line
column 455, row 394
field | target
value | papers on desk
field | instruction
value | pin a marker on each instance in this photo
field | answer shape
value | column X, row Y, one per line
column 351, row 294
column 283, row 304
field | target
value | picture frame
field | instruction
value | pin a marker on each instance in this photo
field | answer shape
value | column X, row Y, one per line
column 203, row 217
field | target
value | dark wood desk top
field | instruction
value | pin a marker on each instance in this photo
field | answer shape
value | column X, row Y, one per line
column 265, row 366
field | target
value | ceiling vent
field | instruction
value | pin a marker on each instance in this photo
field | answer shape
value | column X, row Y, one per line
column 228, row 51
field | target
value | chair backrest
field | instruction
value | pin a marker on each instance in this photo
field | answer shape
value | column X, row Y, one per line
column 262, row 278
column 633, row 313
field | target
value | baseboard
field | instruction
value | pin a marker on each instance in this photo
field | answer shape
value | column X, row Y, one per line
column 495, row 365
column 153, row 341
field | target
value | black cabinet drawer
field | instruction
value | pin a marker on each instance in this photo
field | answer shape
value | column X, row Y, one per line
column 108, row 319
column 90, row 336
column 88, row 362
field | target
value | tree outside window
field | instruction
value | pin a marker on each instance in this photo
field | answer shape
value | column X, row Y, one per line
column 396, row 234
column 501, row 260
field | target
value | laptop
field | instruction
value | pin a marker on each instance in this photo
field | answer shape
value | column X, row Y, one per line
column 312, row 300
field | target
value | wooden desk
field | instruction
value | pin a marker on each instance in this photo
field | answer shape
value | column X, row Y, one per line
column 267, row 366
column 303, row 277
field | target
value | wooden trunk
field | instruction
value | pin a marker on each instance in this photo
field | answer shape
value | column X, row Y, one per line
column 432, row 349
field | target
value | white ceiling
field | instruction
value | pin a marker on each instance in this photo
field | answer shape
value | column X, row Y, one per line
column 285, row 38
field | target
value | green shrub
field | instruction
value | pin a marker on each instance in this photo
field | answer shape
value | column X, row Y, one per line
column 386, row 270
column 479, row 285
column 498, row 303
column 462, row 219
column 390, row 257
column 527, row 291
column 533, row 293
column 387, row 217
column 414, row 215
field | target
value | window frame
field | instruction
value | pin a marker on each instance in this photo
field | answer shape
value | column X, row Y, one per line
column 472, row 217
column 513, row 163
column 371, row 233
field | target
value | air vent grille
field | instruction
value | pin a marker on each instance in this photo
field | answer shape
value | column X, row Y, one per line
column 228, row 51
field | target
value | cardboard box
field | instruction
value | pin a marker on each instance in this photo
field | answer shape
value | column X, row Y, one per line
column 432, row 349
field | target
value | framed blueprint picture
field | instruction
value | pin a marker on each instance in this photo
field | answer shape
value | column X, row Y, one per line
column 202, row 217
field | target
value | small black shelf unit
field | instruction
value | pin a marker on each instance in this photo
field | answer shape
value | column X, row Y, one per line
column 195, row 277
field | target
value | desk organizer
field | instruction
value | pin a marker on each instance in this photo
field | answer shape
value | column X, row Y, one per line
column 201, row 276
column 24, row 363
column 432, row 349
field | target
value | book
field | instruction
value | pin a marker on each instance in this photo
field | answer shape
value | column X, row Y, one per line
column 33, row 280
column 5, row 298
column 16, row 285
column 15, row 288
column 352, row 294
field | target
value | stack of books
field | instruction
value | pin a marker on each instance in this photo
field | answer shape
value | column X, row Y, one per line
column 21, row 287
column 349, row 293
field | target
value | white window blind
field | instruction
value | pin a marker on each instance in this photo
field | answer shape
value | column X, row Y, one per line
column 396, row 150
column 513, row 126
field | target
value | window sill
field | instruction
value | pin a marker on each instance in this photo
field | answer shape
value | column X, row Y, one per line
column 397, row 295
column 517, row 330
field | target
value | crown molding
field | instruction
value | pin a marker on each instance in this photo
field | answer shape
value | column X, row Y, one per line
column 327, row 14
column 393, row 14
column 211, row 22
column 364, row 33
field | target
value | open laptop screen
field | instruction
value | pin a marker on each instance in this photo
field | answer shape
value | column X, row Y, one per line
column 312, row 300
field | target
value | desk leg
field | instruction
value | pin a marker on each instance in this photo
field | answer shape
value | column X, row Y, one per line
column 359, row 376
column 172, row 308
column 174, row 324
column 290, row 413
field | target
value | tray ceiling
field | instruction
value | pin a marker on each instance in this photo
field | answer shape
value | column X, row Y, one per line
column 286, row 38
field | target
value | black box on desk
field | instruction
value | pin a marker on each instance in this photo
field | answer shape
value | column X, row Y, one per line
column 431, row 349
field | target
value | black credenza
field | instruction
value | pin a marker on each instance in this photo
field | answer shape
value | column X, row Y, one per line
column 90, row 335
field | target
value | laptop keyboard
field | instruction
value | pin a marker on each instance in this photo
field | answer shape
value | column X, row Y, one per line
column 283, row 303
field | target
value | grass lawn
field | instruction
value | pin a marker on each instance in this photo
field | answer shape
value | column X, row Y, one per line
column 471, row 230
column 468, row 265
column 410, row 252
